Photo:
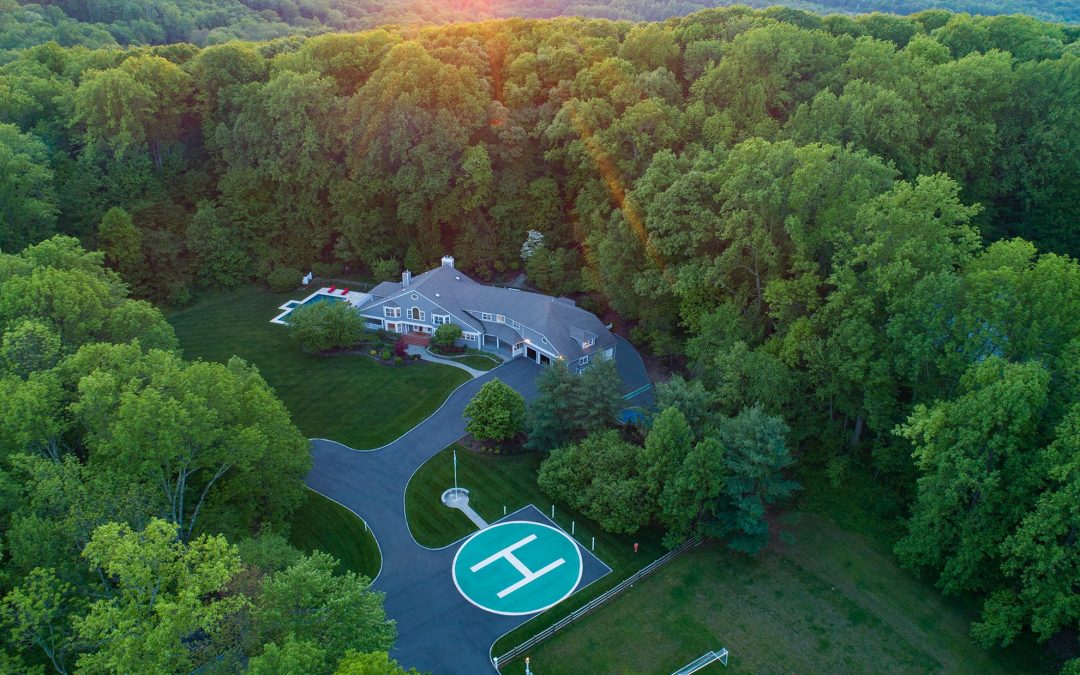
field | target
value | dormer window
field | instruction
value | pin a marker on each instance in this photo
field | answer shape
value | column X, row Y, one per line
column 500, row 318
column 485, row 316
column 588, row 343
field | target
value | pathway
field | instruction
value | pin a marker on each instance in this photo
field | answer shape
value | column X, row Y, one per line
column 428, row 356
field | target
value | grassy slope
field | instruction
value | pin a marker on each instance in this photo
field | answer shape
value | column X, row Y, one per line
column 322, row 524
column 350, row 399
column 477, row 361
column 831, row 601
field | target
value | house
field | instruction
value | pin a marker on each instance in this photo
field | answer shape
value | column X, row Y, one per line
column 517, row 323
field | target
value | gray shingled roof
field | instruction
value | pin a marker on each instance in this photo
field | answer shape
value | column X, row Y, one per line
column 564, row 324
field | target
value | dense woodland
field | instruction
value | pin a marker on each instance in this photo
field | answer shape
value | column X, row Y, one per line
column 860, row 230
column 97, row 23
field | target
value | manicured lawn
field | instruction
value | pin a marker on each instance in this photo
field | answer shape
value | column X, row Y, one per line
column 831, row 601
column 324, row 525
column 350, row 399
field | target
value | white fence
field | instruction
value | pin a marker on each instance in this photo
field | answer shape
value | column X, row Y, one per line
column 499, row 661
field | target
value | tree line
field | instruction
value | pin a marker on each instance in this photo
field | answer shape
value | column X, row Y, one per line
column 96, row 24
column 858, row 226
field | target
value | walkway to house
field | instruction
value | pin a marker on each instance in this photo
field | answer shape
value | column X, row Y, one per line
column 428, row 356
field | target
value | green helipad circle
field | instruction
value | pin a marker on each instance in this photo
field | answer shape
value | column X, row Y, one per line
column 519, row 567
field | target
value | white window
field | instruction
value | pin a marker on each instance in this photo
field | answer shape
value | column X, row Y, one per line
column 500, row 318
column 416, row 314
column 544, row 340
column 471, row 337
column 414, row 296
column 583, row 361
column 589, row 343
column 485, row 316
column 515, row 325
column 439, row 319
column 392, row 312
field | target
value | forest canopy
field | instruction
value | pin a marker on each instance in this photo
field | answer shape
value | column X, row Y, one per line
column 24, row 23
column 859, row 233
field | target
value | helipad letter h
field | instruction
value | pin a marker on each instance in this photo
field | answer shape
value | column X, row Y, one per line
column 527, row 575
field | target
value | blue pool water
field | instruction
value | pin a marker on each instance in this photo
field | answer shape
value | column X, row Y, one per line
column 322, row 298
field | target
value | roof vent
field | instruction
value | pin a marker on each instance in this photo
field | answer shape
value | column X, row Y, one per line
column 448, row 261
column 458, row 278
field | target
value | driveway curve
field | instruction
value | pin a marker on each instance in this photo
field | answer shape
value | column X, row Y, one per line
column 438, row 630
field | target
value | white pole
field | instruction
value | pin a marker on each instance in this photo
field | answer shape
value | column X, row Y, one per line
column 573, row 527
column 504, row 509
column 455, row 469
column 594, row 543
column 553, row 512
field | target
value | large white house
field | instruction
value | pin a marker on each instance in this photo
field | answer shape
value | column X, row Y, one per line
column 522, row 324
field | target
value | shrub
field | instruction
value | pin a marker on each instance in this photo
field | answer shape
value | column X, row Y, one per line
column 398, row 361
column 599, row 478
column 326, row 325
column 496, row 413
column 374, row 352
column 283, row 279
column 385, row 356
column 386, row 269
column 400, row 348
column 445, row 336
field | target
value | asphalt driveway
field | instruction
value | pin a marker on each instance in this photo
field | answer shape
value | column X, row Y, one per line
column 438, row 630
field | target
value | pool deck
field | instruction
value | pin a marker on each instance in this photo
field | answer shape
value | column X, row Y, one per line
column 354, row 298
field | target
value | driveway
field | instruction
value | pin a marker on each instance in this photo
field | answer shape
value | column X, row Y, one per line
column 438, row 630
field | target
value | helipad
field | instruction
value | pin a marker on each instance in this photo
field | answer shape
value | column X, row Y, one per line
column 517, row 567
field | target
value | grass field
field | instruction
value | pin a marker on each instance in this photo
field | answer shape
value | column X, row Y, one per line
column 350, row 399
column 324, row 525
column 477, row 361
column 830, row 601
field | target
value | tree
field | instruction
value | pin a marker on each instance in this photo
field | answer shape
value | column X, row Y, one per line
column 29, row 346
column 322, row 326
column 598, row 477
column 755, row 456
column 206, row 435
column 445, row 336
column 163, row 594
column 308, row 602
column 28, row 205
column 120, row 241
column 669, row 441
column 496, row 413
column 282, row 279
column 37, row 614
column 570, row 407
column 977, row 464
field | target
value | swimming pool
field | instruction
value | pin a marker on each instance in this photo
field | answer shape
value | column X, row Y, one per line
column 323, row 295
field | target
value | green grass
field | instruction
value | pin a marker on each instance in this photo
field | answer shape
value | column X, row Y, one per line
column 324, row 525
column 830, row 601
column 497, row 480
column 347, row 398
column 477, row 361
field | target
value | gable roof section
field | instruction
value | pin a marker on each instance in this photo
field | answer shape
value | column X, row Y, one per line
column 565, row 325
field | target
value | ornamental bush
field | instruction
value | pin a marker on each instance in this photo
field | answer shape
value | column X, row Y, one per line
column 326, row 325
column 283, row 279
column 445, row 336
column 496, row 413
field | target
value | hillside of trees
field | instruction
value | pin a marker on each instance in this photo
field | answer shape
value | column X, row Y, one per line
column 863, row 227
column 95, row 23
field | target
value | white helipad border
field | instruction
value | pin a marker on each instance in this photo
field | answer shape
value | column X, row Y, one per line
column 577, row 582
